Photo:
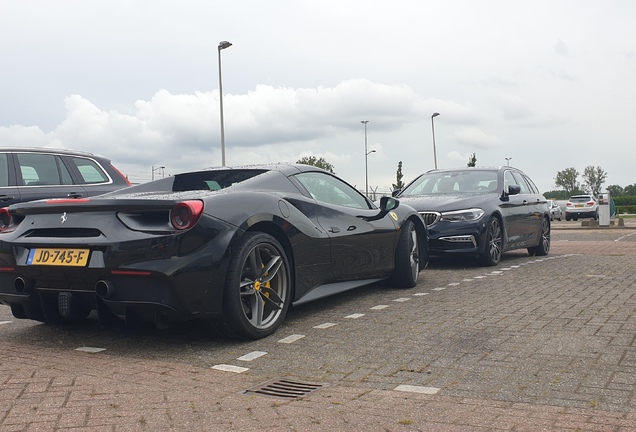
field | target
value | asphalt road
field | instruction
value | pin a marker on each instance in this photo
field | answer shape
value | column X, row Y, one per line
column 533, row 344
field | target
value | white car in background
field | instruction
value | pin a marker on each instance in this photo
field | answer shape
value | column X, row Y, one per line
column 581, row 206
column 555, row 210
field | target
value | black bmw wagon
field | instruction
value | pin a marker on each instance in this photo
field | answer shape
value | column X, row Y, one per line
column 481, row 211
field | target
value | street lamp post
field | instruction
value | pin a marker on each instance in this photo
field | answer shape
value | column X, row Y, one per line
column 366, row 166
column 222, row 46
column 433, row 129
column 154, row 168
column 508, row 161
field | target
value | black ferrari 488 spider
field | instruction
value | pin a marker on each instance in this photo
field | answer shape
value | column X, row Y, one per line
column 234, row 246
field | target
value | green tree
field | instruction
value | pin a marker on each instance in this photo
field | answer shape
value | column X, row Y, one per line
column 615, row 190
column 567, row 179
column 594, row 177
column 472, row 160
column 630, row 189
column 317, row 162
column 398, row 177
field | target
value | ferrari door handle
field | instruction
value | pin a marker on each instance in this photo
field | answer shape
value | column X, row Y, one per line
column 334, row 229
column 74, row 195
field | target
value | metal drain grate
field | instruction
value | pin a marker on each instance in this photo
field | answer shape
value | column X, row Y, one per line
column 284, row 388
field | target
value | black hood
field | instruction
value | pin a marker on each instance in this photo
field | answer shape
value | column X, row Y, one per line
column 447, row 202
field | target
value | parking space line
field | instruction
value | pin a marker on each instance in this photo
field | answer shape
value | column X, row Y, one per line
column 252, row 356
column 355, row 316
column 402, row 299
column 230, row 368
column 5, row 322
column 417, row 389
column 91, row 350
column 325, row 325
column 379, row 307
column 291, row 339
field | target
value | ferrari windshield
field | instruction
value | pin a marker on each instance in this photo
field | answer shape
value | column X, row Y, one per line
column 444, row 182
column 214, row 179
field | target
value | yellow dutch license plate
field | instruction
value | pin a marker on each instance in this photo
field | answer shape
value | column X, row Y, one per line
column 58, row 257
column 578, row 205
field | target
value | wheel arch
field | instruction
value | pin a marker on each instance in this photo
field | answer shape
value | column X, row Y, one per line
column 504, row 231
column 422, row 236
column 277, row 232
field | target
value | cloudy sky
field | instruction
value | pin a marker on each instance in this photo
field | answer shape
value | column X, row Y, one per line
column 550, row 84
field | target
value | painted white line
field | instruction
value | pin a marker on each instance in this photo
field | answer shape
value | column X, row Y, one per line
column 420, row 294
column 379, row 307
column 91, row 350
column 515, row 266
column 439, row 289
column 505, row 268
column 252, row 356
column 291, row 339
column 5, row 322
column 325, row 325
column 480, row 277
column 417, row 389
column 624, row 237
column 496, row 272
column 230, row 368
column 355, row 316
column 454, row 284
column 402, row 299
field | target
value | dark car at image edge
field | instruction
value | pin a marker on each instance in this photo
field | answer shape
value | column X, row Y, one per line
column 30, row 173
column 232, row 246
column 480, row 211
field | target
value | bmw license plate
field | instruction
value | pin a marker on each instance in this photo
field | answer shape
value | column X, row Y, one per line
column 58, row 257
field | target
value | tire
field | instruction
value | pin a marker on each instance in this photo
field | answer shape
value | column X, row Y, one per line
column 257, row 289
column 494, row 243
column 543, row 248
column 407, row 257
column 567, row 218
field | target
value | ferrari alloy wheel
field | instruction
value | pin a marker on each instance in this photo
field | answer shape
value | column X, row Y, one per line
column 494, row 243
column 544, row 245
column 407, row 257
column 257, row 291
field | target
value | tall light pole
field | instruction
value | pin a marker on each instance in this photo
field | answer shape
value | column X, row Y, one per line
column 154, row 168
column 508, row 161
column 222, row 46
column 366, row 153
column 433, row 128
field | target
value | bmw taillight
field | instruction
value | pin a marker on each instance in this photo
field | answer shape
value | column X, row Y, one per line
column 5, row 219
column 185, row 214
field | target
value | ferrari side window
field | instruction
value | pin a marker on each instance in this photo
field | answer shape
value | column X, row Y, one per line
column 330, row 190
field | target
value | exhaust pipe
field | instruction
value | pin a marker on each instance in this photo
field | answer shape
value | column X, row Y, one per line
column 23, row 286
column 104, row 289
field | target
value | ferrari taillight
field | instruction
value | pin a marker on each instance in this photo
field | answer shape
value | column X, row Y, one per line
column 185, row 214
column 5, row 218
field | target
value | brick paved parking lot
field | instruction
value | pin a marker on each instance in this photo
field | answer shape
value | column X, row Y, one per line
column 533, row 344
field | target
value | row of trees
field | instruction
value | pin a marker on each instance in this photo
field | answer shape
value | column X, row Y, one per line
column 593, row 179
